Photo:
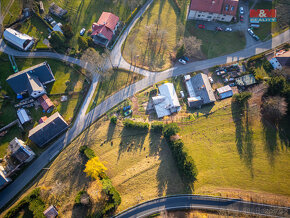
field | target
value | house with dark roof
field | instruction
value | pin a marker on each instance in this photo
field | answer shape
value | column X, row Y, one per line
column 104, row 29
column 31, row 80
column 46, row 131
column 199, row 90
column 20, row 151
column 212, row 10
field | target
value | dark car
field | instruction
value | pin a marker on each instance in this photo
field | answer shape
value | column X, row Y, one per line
column 185, row 58
column 201, row 26
column 218, row 28
column 242, row 18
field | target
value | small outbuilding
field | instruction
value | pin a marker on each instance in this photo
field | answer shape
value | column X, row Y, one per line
column 225, row 92
column 246, row 80
column 50, row 212
column 23, row 116
column 46, row 131
column 56, row 10
column 57, row 27
column 19, row 40
column 46, row 103
column 20, row 151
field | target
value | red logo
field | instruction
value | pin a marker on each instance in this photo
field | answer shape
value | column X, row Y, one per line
column 263, row 13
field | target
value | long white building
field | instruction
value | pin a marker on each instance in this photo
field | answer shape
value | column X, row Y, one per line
column 20, row 40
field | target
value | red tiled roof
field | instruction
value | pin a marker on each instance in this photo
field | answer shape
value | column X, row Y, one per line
column 105, row 25
column 212, row 6
column 230, row 7
column 42, row 119
column 45, row 102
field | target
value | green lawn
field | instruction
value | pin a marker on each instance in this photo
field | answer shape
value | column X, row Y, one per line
column 154, row 50
column 4, row 4
column 68, row 81
column 14, row 12
column 233, row 152
column 216, row 44
column 34, row 27
column 119, row 79
column 83, row 13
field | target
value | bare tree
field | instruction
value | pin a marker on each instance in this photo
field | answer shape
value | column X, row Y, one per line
column 274, row 108
column 192, row 47
column 94, row 60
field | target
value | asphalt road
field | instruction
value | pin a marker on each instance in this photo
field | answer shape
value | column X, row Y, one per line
column 203, row 202
column 85, row 120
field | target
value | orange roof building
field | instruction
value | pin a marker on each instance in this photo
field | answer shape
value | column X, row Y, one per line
column 46, row 103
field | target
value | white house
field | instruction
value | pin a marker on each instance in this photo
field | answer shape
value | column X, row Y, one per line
column 20, row 151
column 166, row 102
column 20, row 40
column 57, row 27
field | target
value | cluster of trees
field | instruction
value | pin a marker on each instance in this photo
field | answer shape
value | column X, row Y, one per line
column 60, row 41
column 185, row 163
column 138, row 125
column 34, row 203
column 85, row 42
column 189, row 46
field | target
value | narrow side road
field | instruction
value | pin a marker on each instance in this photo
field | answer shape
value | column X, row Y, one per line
column 181, row 202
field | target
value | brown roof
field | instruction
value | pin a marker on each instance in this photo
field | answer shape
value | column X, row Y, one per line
column 50, row 212
column 228, row 7
column 45, row 102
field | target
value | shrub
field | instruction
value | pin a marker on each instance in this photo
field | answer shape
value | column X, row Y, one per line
column 78, row 197
column 90, row 41
column 138, row 125
column 170, row 130
column 157, row 126
column 82, row 149
column 112, row 193
column 57, row 40
column 95, row 168
column 242, row 98
column 277, row 85
column 89, row 153
column 67, row 31
column 83, row 43
column 267, row 66
column 114, row 119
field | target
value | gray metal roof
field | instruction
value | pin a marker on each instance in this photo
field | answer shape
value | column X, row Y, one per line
column 18, row 81
column 203, row 88
column 48, row 130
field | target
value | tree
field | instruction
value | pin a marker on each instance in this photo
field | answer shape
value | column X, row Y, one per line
column 114, row 119
column 170, row 129
column 83, row 43
column 95, row 168
column 277, row 85
column 57, row 40
column 192, row 47
column 274, row 108
column 242, row 98
column 180, row 51
column 67, row 31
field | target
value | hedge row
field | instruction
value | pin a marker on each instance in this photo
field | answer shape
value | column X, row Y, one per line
column 139, row 125
column 157, row 126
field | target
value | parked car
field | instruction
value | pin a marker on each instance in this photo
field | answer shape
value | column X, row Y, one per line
column 253, row 25
column 219, row 69
column 53, row 23
column 242, row 10
column 232, row 84
column 210, row 80
column 48, row 19
column 185, row 58
column 127, row 113
column 241, row 18
column 201, row 26
column 218, row 28
column 182, row 94
column 82, row 32
column 231, row 79
column 182, row 61
column 228, row 29
column 127, row 108
column 226, row 80
column 256, row 37
column 251, row 32
column 222, row 72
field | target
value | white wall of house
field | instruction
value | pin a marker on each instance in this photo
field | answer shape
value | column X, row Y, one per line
column 36, row 94
column 200, row 15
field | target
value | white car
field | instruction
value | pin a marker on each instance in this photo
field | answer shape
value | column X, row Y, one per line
column 82, row 32
column 182, row 94
column 182, row 61
column 251, row 32
column 242, row 10
column 210, row 80
column 228, row 29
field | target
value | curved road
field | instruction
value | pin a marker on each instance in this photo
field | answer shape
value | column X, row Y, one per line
column 180, row 202
column 85, row 120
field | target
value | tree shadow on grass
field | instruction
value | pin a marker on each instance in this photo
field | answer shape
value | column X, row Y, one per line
column 244, row 134
column 132, row 140
column 111, row 131
column 154, row 144
column 169, row 181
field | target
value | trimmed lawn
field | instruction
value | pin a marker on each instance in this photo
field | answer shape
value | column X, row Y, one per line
column 216, row 44
column 233, row 152
column 14, row 12
column 35, row 28
column 154, row 52
column 119, row 79
column 68, row 82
